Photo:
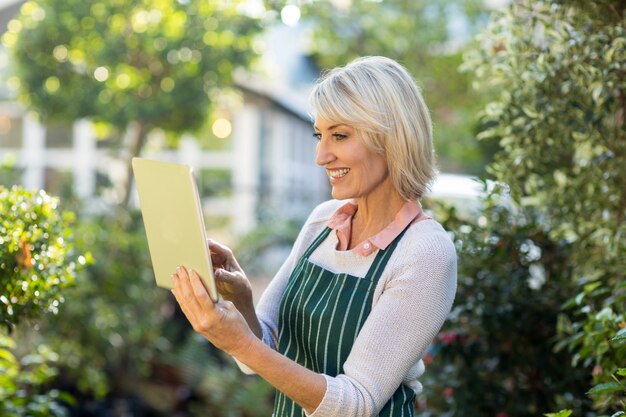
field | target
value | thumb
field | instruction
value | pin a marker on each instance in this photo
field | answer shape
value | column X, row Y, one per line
column 222, row 275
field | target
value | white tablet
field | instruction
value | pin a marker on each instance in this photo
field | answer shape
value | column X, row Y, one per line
column 173, row 219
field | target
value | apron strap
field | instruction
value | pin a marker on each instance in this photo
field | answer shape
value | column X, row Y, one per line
column 382, row 257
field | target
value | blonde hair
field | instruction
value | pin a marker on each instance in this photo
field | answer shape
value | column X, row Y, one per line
column 379, row 98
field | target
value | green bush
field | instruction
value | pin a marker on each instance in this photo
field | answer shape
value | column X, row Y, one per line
column 21, row 379
column 36, row 264
column 121, row 339
column 112, row 324
column 495, row 355
column 220, row 388
column 556, row 71
column 36, row 255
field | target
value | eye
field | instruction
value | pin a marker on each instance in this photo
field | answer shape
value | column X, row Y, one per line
column 317, row 136
column 339, row 136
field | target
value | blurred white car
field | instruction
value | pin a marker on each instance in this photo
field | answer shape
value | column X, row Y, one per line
column 462, row 191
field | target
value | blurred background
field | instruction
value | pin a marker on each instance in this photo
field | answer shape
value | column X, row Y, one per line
column 528, row 100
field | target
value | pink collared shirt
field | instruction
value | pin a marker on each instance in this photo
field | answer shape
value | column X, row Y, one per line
column 341, row 221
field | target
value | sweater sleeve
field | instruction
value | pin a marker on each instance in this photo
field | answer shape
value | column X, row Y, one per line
column 413, row 298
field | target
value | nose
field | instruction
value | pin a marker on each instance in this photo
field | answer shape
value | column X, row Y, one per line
column 323, row 153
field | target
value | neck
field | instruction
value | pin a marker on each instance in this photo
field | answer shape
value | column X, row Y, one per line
column 377, row 210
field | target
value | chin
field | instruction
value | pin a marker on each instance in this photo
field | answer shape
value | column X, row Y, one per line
column 337, row 195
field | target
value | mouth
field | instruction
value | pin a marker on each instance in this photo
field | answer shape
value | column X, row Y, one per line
column 337, row 173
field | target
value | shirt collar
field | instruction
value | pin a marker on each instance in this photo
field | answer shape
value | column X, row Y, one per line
column 341, row 222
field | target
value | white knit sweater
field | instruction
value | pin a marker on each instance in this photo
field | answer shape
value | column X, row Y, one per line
column 410, row 304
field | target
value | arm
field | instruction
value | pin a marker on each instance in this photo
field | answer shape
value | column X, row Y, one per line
column 224, row 326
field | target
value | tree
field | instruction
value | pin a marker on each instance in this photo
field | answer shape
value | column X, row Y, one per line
column 419, row 35
column 559, row 74
column 136, row 65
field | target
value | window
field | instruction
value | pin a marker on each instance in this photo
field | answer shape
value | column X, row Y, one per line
column 58, row 136
column 58, row 182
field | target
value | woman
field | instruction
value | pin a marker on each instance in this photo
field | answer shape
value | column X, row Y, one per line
column 343, row 326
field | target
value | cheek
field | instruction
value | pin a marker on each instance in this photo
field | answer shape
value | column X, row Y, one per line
column 376, row 167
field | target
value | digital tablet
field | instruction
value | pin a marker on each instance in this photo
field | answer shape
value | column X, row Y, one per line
column 173, row 219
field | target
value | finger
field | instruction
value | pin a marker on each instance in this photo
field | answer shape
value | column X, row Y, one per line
column 185, row 287
column 222, row 253
column 185, row 294
column 218, row 247
column 224, row 281
column 217, row 259
column 182, row 302
column 200, row 291
column 224, row 277
column 175, row 281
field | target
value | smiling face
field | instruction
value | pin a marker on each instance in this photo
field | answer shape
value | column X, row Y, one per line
column 354, row 170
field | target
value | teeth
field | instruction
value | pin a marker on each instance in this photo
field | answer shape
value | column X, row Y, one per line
column 338, row 173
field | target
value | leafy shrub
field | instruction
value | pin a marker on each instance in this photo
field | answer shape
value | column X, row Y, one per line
column 20, row 380
column 495, row 355
column 112, row 324
column 220, row 389
column 123, row 342
column 557, row 73
column 36, row 263
column 36, row 255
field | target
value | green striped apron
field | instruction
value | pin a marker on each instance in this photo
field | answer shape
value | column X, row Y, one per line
column 320, row 316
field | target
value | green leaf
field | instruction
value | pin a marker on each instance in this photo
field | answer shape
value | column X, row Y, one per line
column 530, row 112
column 621, row 371
column 604, row 388
column 6, row 356
column 621, row 335
column 605, row 314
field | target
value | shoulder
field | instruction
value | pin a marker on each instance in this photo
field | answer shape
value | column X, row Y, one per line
column 426, row 248
column 428, row 237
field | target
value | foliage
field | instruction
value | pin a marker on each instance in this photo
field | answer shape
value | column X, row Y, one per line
column 120, row 310
column 220, row 388
column 19, row 377
column 562, row 413
column 420, row 36
column 36, row 255
column 150, row 61
column 37, row 262
column 9, row 174
column 136, row 65
column 559, row 73
column 132, row 347
column 494, row 356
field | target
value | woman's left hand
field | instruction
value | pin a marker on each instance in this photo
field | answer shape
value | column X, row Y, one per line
column 219, row 322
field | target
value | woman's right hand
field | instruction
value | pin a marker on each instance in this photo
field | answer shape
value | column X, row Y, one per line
column 231, row 281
